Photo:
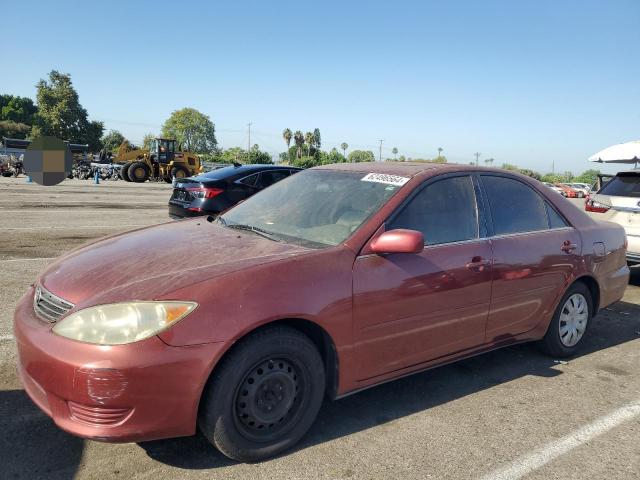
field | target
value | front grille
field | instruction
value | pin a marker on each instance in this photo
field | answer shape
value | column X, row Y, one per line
column 48, row 306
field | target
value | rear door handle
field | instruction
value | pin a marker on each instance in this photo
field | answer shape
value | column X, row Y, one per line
column 568, row 247
column 477, row 264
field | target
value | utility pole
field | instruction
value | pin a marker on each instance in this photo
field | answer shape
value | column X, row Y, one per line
column 477, row 154
column 380, row 154
column 249, row 142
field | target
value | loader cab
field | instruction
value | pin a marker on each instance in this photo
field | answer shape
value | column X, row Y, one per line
column 164, row 149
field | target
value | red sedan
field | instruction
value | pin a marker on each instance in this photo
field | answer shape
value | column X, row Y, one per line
column 334, row 280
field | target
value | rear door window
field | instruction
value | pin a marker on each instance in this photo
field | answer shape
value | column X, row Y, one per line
column 515, row 207
column 444, row 211
column 623, row 185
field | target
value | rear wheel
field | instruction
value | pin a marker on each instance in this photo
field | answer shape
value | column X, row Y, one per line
column 139, row 172
column 570, row 322
column 179, row 172
column 124, row 171
column 264, row 396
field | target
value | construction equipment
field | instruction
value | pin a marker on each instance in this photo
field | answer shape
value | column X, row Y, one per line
column 160, row 162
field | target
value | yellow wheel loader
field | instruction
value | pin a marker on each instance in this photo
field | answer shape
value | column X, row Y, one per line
column 160, row 162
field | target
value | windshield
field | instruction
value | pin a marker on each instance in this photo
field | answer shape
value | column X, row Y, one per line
column 623, row 185
column 315, row 208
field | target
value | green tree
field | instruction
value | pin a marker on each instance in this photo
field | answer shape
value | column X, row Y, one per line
column 192, row 129
column 258, row 156
column 17, row 109
column 395, row 153
column 361, row 156
column 317, row 140
column 310, row 140
column 588, row 176
column 287, row 135
column 509, row 166
column 344, row 146
column 146, row 141
column 11, row 129
column 112, row 140
column 61, row 115
column 298, row 139
column 530, row 173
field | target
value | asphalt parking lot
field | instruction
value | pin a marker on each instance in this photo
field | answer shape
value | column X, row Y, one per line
column 513, row 413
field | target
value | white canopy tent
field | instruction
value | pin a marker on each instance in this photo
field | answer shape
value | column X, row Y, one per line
column 621, row 153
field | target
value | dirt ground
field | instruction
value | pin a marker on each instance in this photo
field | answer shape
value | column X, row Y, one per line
column 513, row 413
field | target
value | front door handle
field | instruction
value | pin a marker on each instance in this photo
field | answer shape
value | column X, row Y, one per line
column 568, row 247
column 477, row 264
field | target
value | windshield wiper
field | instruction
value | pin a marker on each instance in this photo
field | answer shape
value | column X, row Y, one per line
column 256, row 230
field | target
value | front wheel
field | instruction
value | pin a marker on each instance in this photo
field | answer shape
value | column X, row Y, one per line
column 264, row 396
column 570, row 322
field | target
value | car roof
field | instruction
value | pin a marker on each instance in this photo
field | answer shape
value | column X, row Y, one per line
column 407, row 169
column 231, row 170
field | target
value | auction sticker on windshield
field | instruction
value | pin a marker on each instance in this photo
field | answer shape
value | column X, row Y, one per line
column 387, row 179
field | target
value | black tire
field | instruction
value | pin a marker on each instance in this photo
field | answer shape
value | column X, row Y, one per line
column 264, row 396
column 7, row 173
column 553, row 343
column 124, row 171
column 179, row 172
column 139, row 172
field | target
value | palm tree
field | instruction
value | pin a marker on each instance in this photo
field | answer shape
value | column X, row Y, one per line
column 298, row 139
column 286, row 134
column 488, row 161
column 344, row 147
column 310, row 139
column 395, row 152
column 440, row 151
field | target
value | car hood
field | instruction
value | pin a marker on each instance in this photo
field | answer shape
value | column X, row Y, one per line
column 152, row 262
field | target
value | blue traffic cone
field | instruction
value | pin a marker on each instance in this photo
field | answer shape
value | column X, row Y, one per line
column 96, row 179
column 29, row 179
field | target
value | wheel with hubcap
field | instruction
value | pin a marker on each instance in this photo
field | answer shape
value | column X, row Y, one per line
column 264, row 395
column 570, row 322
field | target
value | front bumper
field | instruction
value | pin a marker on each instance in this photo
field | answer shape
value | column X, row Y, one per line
column 142, row 391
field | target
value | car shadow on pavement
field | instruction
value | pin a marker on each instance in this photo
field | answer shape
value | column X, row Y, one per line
column 614, row 326
column 31, row 445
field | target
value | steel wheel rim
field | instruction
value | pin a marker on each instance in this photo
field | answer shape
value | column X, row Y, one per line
column 267, row 401
column 573, row 319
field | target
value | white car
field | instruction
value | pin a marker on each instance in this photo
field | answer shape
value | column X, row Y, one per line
column 618, row 201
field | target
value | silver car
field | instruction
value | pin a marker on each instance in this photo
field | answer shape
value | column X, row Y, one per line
column 618, row 201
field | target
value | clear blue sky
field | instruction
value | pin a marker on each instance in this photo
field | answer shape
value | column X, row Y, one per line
column 524, row 82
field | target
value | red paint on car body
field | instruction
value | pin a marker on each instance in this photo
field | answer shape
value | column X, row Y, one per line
column 384, row 315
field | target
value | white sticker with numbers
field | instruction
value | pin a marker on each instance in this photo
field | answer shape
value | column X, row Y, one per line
column 386, row 179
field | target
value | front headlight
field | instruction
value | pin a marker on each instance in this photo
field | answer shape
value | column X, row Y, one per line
column 120, row 323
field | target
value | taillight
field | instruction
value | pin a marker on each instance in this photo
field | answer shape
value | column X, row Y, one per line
column 594, row 206
column 205, row 192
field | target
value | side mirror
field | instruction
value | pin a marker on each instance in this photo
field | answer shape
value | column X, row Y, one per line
column 398, row 241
